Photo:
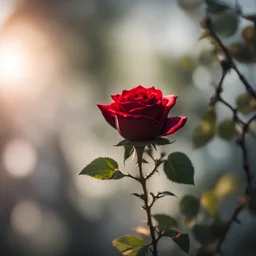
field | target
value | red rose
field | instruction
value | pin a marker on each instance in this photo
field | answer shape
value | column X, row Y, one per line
column 142, row 114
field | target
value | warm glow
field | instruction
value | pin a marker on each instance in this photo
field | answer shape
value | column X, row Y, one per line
column 13, row 63
column 28, row 61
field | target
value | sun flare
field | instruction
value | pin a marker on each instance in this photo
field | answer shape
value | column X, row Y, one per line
column 13, row 62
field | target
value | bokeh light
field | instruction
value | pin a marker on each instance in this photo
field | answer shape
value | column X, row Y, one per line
column 201, row 78
column 19, row 158
column 26, row 218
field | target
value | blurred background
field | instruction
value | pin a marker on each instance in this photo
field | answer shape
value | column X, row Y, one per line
column 58, row 59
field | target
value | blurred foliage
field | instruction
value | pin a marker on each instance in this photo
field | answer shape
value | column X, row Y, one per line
column 226, row 129
column 202, row 215
column 208, row 225
column 210, row 202
column 189, row 206
column 189, row 5
column 246, row 103
column 204, row 132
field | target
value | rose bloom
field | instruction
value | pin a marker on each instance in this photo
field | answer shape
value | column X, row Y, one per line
column 141, row 114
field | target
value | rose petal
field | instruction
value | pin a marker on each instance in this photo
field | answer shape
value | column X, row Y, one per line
column 137, row 128
column 171, row 102
column 173, row 124
column 117, row 98
column 154, row 111
column 156, row 92
column 132, row 91
column 108, row 111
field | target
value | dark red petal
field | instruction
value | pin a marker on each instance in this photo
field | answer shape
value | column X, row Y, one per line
column 137, row 128
column 156, row 92
column 173, row 124
column 126, row 107
column 117, row 98
column 133, row 90
column 154, row 111
column 171, row 102
column 108, row 111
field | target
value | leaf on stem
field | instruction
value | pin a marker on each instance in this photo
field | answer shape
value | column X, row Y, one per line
column 165, row 221
column 178, row 168
column 130, row 245
column 182, row 240
column 128, row 151
column 103, row 168
column 166, row 193
column 140, row 196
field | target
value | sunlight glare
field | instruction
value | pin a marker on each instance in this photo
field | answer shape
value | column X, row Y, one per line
column 13, row 63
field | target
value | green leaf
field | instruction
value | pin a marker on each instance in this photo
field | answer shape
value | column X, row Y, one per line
column 204, row 132
column 202, row 135
column 165, row 221
column 171, row 233
column 226, row 24
column 226, row 129
column 117, row 175
column 189, row 5
column 210, row 202
column 189, row 206
column 141, row 251
column 128, row 150
column 210, row 117
column 130, row 245
column 241, row 53
column 140, row 196
column 102, row 168
column 158, row 141
column 166, row 193
column 182, row 240
column 179, row 168
column 246, row 103
column 215, row 7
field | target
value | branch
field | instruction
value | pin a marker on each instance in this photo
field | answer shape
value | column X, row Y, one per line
column 230, row 64
column 241, row 142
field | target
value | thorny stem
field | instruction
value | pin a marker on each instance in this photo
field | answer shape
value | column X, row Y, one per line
column 241, row 142
column 146, row 207
column 228, row 59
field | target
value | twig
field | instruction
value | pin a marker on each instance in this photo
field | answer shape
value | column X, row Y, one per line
column 228, row 59
column 241, row 142
column 157, row 164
